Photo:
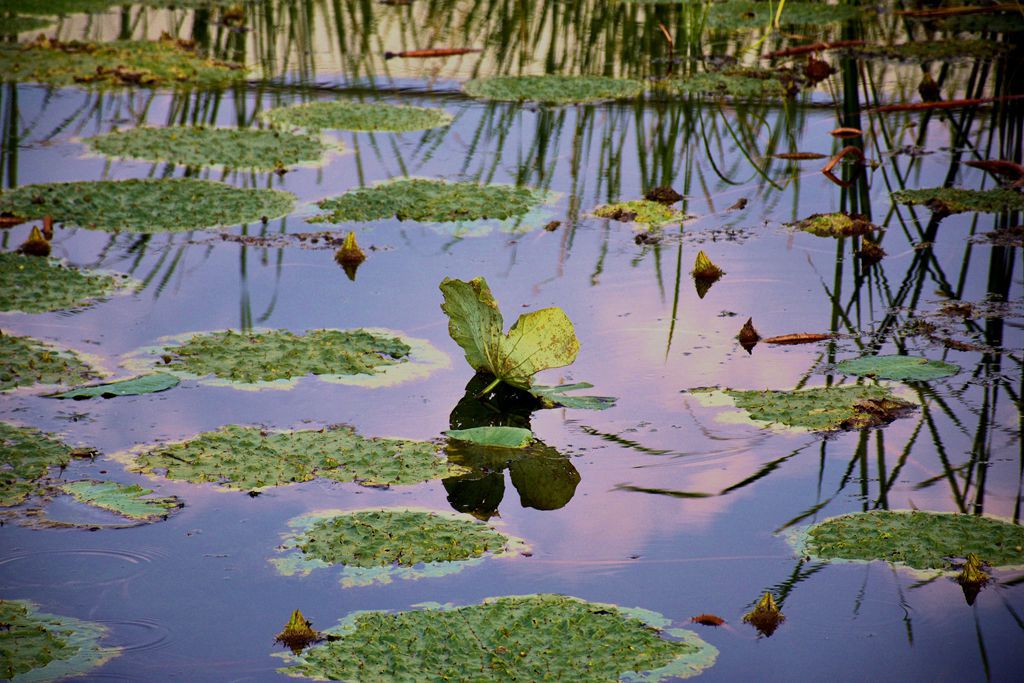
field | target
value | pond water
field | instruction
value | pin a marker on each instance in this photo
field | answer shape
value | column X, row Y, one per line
column 660, row 502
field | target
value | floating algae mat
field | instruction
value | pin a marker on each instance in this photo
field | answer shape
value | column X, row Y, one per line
column 654, row 214
column 30, row 284
column 131, row 501
column 818, row 409
column 27, row 456
column 744, row 14
column 246, row 148
column 900, row 368
column 921, row 540
column 739, row 83
column 529, row 637
column 357, row 116
column 836, row 224
column 250, row 458
column 553, row 89
column 146, row 206
column 25, row 361
column 35, row 646
column 375, row 546
column 163, row 63
column 947, row 200
column 927, row 50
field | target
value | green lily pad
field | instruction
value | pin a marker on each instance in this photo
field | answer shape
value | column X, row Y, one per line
column 131, row 501
column 653, row 214
column 12, row 26
column 946, row 49
column 248, row 148
column 747, row 14
column 249, row 458
column 357, row 116
column 498, row 437
column 900, row 368
column 554, row 397
column 947, row 200
column 920, row 540
column 836, row 224
column 164, row 63
column 378, row 545
column 146, row 206
column 30, row 284
column 748, row 83
column 36, row 646
column 25, row 361
column 553, row 89
column 529, row 637
column 27, row 456
column 146, row 384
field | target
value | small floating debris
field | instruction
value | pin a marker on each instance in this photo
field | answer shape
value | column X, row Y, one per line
column 432, row 53
column 705, row 273
column 797, row 338
column 870, row 252
column 298, row 633
column 748, row 336
column 766, row 616
column 707, row 620
column 836, row 224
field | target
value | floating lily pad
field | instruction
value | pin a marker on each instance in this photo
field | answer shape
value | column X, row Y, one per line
column 556, row 396
column 921, row 540
column 947, row 200
column 26, row 456
column 249, row 458
column 553, row 89
column 744, row 14
column 131, row 501
column 738, row 83
column 498, row 437
column 35, row 646
column 10, row 26
column 146, row 206
column 247, row 148
column 901, row 368
column 510, row 638
column 946, row 49
column 146, row 384
column 163, row 63
column 375, row 546
column 429, row 201
column 654, row 214
column 25, row 361
column 30, row 284
column 357, row 116
column 836, row 224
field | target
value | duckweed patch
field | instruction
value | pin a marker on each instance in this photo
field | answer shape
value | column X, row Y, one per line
column 375, row 546
column 250, row 458
column 836, row 224
column 747, row 14
column 528, row 637
column 146, row 206
column 901, row 368
column 27, row 455
column 131, row 501
column 25, row 362
column 357, row 116
column 30, row 284
column 947, row 200
column 553, row 89
column 921, row 540
column 744, row 83
column 163, row 63
column 645, row 211
column 40, row 646
column 247, row 148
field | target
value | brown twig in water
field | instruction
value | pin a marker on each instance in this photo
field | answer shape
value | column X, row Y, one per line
column 814, row 47
column 940, row 12
column 945, row 104
column 850, row 149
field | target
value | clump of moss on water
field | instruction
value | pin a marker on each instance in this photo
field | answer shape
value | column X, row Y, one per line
column 921, row 540
column 553, row 89
column 162, row 63
column 509, row 638
column 948, row 200
column 751, row 14
column 146, row 206
column 651, row 213
column 27, row 456
column 250, row 458
column 30, row 284
column 25, row 361
column 247, row 148
column 836, row 224
column 357, row 116
column 743, row 83
column 928, row 50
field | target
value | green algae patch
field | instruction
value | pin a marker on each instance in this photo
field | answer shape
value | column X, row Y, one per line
column 553, row 89
column 900, row 368
column 747, row 14
column 529, row 637
column 36, row 646
column 379, row 545
column 26, row 456
column 163, row 63
column 25, row 361
column 836, row 224
column 948, row 200
column 244, row 148
column 947, row 49
column 357, row 116
column 817, row 409
column 250, row 458
column 743, row 83
column 146, row 206
column 131, row 501
column 641, row 211
column 30, row 284
column 918, row 540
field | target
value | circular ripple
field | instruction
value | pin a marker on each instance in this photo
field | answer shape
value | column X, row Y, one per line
column 72, row 567
column 138, row 635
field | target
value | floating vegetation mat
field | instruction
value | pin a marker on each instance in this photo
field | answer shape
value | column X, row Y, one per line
column 130, row 501
column 553, row 89
column 900, row 368
column 30, row 284
column 146, row 206
column 375, row 546
column 357, row 116
column 945, row 200
column 35, row 646
column 247, row 148
column 947, row 49
column 269, row 359
column 27, row 456
column 836, row 224
column 920, row 540
column 645, row 211
column 744, row 14
column 818, row 409
column 738, row 83
column 163, row 63
column 529, row 638
column 250, row 458
column 25, row 361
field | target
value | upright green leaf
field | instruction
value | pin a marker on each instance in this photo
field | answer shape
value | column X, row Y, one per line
column 473, row 318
